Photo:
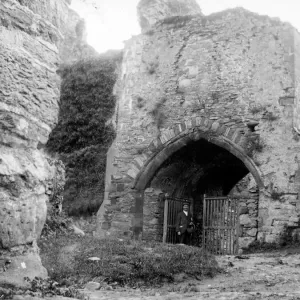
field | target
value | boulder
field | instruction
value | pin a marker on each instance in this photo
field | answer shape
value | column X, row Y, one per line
column 23, row 265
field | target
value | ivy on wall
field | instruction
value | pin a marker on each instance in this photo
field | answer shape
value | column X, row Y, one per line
column 82, row 136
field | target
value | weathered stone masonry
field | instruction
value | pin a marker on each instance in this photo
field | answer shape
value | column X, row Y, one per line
column 232, row 79
column 30, row 37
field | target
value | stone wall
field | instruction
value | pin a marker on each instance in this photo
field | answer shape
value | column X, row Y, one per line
column 30, row 33
column 153, row 215
column 246, row 191
column 229, row 78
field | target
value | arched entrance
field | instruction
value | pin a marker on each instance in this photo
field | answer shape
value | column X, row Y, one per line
column 190, row 165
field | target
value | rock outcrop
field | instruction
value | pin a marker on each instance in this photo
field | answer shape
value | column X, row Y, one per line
column 30, row 36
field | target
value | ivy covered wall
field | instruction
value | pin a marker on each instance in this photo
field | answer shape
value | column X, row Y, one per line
column 83, row 133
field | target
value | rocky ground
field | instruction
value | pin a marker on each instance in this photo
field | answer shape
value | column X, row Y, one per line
column 273, row 275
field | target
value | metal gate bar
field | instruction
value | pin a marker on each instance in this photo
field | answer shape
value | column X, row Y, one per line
column 220, row 225
column 171, row 209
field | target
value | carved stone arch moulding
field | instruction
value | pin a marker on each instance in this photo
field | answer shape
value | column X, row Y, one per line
column 172, row 139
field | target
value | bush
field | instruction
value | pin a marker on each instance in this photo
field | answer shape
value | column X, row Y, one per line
column 129, row 262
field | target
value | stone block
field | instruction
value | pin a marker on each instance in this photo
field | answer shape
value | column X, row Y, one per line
column 246, row 221
column 198, row 121
column 92, row 286
column 272, row 238
column 140, row 160
column 244, row 210
column 252, row 232
column 193, row 71
column 294, row 219
column 154, row 221
column 244, row 242
column 215, row 126
column 188, row 124
column 132, row 173
column 184, row 84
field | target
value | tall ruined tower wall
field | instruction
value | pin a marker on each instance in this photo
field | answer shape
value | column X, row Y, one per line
column 233, row 75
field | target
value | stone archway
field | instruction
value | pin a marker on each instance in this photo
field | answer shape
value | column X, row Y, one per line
column 233, row 141
column 144, row 166
column 171, row 140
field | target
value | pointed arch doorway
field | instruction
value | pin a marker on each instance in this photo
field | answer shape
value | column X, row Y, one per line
column 189, row 167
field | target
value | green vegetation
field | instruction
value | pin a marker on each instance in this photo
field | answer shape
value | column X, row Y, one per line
column 133, row 263
column 82, row 136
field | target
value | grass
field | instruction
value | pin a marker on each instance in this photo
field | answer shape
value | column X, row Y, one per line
column 132, row 263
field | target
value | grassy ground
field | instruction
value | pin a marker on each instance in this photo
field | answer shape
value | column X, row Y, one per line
column 132, row 263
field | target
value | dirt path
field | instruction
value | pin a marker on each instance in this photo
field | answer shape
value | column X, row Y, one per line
column 271, row 276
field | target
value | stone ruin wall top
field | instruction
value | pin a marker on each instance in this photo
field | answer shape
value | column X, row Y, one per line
column 235, row 67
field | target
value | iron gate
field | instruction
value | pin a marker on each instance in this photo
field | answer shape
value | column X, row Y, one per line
column 220, row 225
column 173, row 206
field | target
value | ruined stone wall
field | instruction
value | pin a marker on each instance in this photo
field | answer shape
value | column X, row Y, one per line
column 30, row 33
column 246, row 190
column 231, row 69
column 154, row 201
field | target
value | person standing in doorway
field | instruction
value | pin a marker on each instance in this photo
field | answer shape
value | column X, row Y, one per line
column 184, row 225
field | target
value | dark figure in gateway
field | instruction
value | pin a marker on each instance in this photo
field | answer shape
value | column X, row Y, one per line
column 184, row 225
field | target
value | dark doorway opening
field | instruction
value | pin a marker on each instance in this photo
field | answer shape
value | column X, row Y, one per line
column 200, row 168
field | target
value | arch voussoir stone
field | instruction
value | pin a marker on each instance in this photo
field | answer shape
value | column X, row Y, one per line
column 168, row 143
